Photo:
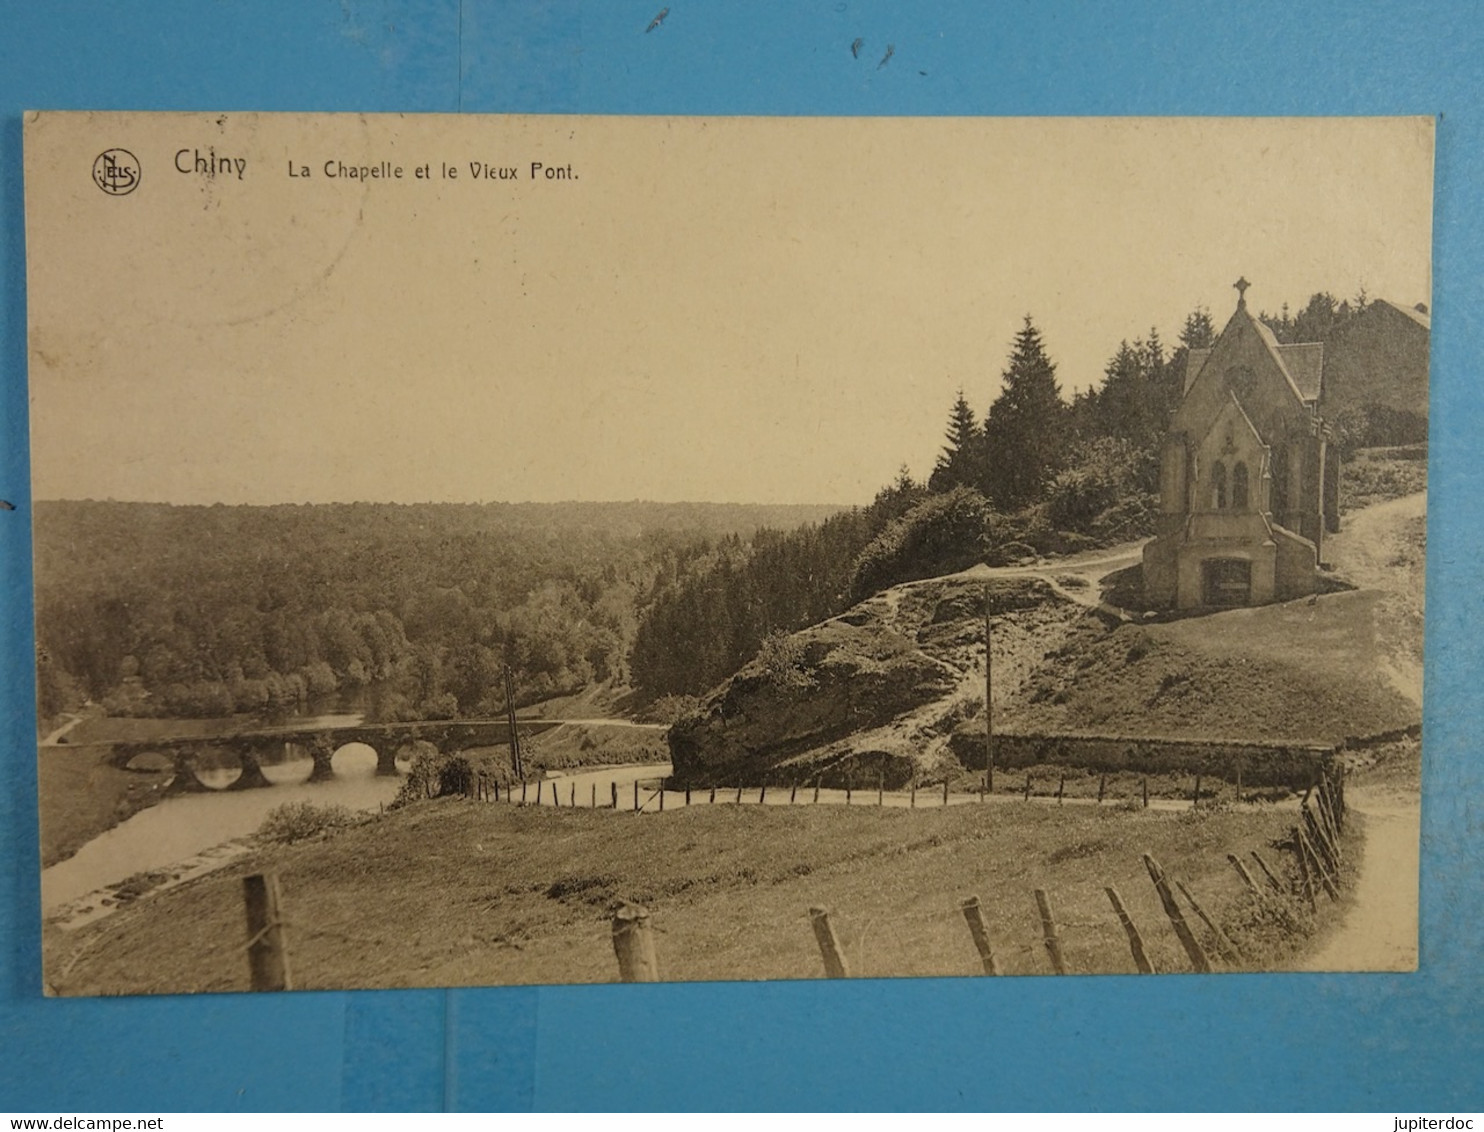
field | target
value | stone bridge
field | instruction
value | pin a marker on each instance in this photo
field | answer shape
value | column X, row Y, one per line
column 252, row 749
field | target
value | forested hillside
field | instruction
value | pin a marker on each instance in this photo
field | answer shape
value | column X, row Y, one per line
column 157, row 609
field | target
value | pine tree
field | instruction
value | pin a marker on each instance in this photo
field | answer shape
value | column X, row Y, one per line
column 1025, row 428
column 959, row 462
column 1198, row 332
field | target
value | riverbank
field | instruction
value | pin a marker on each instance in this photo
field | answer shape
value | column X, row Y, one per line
column 83, row 795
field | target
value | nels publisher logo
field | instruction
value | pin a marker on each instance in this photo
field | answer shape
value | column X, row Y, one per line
column 116, row 172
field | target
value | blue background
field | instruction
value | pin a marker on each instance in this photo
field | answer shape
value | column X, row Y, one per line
column 1241, row 1042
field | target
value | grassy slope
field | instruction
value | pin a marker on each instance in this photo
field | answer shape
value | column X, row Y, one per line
column 81, row 795
column 1346, row 664
column 458, row 893
column 1311, row 671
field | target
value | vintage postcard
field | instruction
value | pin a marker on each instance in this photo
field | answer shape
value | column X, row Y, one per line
column 493, row 549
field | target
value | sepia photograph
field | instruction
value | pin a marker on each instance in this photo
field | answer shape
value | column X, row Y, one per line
column 494, row 549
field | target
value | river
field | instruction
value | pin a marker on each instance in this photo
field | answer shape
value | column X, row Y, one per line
column 189, row 834
column 180, row 829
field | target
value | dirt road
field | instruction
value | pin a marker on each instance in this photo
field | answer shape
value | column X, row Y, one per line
column 1379, row 932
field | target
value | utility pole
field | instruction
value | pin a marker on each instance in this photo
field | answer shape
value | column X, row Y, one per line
column 515, row 759
column 988, row 708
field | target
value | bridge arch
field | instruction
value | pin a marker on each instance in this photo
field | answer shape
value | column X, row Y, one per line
column 355, row 759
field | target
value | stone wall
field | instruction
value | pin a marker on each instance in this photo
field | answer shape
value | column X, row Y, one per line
column 1294, row 765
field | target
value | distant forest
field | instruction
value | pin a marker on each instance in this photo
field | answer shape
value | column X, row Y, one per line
column 152, row 609
column 414, row 612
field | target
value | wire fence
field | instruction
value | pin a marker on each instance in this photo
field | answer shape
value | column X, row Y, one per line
column 1313, row 844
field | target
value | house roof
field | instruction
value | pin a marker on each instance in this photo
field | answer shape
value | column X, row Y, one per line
column 1305, row 362
column 1422, row 320
column 1193, row 363
column 1270, row 340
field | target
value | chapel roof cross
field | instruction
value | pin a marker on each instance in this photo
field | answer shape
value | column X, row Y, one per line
column 1241, row 285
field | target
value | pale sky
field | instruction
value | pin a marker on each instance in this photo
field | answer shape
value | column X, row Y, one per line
column 725, row 309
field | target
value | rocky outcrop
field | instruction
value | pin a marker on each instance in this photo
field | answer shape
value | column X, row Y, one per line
column 868, row 696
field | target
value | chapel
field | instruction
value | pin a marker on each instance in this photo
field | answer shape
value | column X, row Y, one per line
column 1248, row 484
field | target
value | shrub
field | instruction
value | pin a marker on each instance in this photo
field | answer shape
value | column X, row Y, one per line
column 942, row 534
column 668, row 708
column 300, row 821
column 781, row 657
column 1108, row 472
column 433, row 772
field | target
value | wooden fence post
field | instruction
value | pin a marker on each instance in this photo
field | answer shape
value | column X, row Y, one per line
column 556, row 802
column 1102, row 785
column 793, row 792
column 1027, row 787
column 816, row 791
column 1327, row 819
column 829, row 946
column 1195, row 801
column 762, row 794
column 881, row 789
column 1325, row 798
column 522, row 791
column 572, row 797
column 1222, row 941
column 687, row 795
column 1303, row 862
column 594, row 802
column 739, row 796
column 1244, row 874
column 267, row 956
column 847, row 791
column 1048, row 933
column 1192, row 946
column 1320, row 841
column 1319, row 866
column 636, row 795
column 1267, row 872
column 1135, row 941
column 1239, row 782
column 1146, row 793
column 975, row 917
column 613, row 790
column 945, row 791
column 713, row 794
column 662, row 795
column 913, row 803
column 1061, row 785
column 633, row 944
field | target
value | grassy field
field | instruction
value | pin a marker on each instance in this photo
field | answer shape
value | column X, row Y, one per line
column 452, row 892
column 1299, row 670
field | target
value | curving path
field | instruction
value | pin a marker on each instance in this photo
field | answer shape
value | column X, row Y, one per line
column 1379, row 931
